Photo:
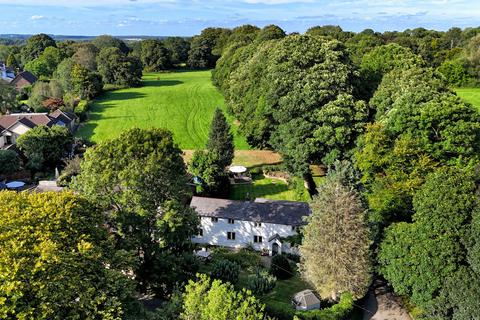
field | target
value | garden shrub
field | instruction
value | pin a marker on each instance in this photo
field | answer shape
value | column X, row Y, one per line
column 293, row 257
column 280, row 267
column 81, row 109
column 261, row 282
column 244, row 258
column 338, row 311
column 9, row 162
column 226, row 271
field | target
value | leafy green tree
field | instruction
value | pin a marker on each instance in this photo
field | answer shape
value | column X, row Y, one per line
column 51, row 143
column 337, row 235
column 330, row 32
column 140, row 178
column 220, row 139
column 64, row 74
column 8, row 99
column 53, row 260
column 85, row 83
column 106, row 41
column 214, row 300
column 154, row 55
column 206, row 166
column 426, row 259
column 9, row 162
column 178, row 48
column 86, row 55
column 270, row 32
column 46, row 63
column 12, row 61
column 383, row 59
column 118, row 69
column 420, row 125
column 205, row 49
column 283, row 99
column 455, row 72
column 35, row 47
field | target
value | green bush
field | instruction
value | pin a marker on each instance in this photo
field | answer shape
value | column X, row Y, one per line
column 226, row 271
column 280, row 267
column 82, row 109
column 261, row 282
column 244, row 258
column 338, row 311
column 9, row 162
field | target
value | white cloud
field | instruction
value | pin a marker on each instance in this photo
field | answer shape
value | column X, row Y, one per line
column 37, row 17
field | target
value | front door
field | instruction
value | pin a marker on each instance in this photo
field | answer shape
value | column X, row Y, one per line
column 275, row 248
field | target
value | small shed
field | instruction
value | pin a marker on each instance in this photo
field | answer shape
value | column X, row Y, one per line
column 306, row 300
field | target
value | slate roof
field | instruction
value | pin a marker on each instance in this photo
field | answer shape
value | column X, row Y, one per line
column 28, row 76
column 64, row 116
column 278, row 212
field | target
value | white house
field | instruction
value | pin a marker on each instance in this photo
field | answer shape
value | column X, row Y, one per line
column 264, row 224
column 7, row 73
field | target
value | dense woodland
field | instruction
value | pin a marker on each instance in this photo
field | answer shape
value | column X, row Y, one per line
column 399, row 202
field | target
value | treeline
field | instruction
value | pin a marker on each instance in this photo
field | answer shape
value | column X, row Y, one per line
column 398, row 142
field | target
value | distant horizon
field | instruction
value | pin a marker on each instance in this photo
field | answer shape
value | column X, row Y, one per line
column 213, row 26
column 188, row 17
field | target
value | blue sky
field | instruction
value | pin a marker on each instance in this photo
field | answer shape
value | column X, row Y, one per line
column 183, row 17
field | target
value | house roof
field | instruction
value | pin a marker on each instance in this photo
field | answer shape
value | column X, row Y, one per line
column 64, row 116
column 28, row 76
column 278, row 212
column 30, row 120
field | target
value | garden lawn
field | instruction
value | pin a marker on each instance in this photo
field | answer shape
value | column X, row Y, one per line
column 182, row 102
column 471, row 95
column 280, row 299
column 262, row 187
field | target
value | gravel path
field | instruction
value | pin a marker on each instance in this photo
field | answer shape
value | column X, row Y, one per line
column 382, row 304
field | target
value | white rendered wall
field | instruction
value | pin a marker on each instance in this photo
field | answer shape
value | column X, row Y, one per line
column 215, row 233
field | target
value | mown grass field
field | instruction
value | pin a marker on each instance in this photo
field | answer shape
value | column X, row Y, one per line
column 471, row 95
column 183, row 102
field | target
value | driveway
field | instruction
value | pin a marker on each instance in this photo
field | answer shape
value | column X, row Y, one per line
column 382, row 304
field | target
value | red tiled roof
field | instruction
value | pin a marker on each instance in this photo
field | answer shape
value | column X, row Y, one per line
column 31, row 120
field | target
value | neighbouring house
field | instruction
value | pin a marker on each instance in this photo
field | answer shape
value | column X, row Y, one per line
column 263, row 224
column 14, row 125
column 306, row 300
column 7, row 73
column 23, row 79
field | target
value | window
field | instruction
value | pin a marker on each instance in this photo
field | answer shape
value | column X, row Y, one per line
column 258, row 224
column 257, row 239
column 200, row 232
column 231, row 221
column 231, row 235
column 214, row 219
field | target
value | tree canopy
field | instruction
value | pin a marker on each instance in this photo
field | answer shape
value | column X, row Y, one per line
column 35, row 47
column 140, row 177
column 284, row 97
column 335, row 249
column 48, row 144
column 53, row 260
column 213, row 300
column 427, row 258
